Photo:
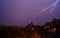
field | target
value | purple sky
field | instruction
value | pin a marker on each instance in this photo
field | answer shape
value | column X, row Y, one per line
column 22, row 12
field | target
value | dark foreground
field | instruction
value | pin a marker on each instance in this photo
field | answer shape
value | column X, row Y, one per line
column 49, row 30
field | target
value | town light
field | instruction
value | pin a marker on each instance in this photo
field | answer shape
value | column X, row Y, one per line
column 32, row 28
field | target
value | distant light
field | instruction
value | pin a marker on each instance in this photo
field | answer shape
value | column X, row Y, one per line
column 46, row 27
column 32, row 28
column 54, row 29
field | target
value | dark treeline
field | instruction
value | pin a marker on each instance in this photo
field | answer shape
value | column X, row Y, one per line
column 13, row 31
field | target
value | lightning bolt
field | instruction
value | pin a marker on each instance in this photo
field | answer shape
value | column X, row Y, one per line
column 52, row 6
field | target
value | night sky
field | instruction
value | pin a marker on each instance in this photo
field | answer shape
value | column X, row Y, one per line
column 22, row 12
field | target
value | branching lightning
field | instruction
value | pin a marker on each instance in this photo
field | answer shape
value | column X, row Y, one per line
column 52, row 6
